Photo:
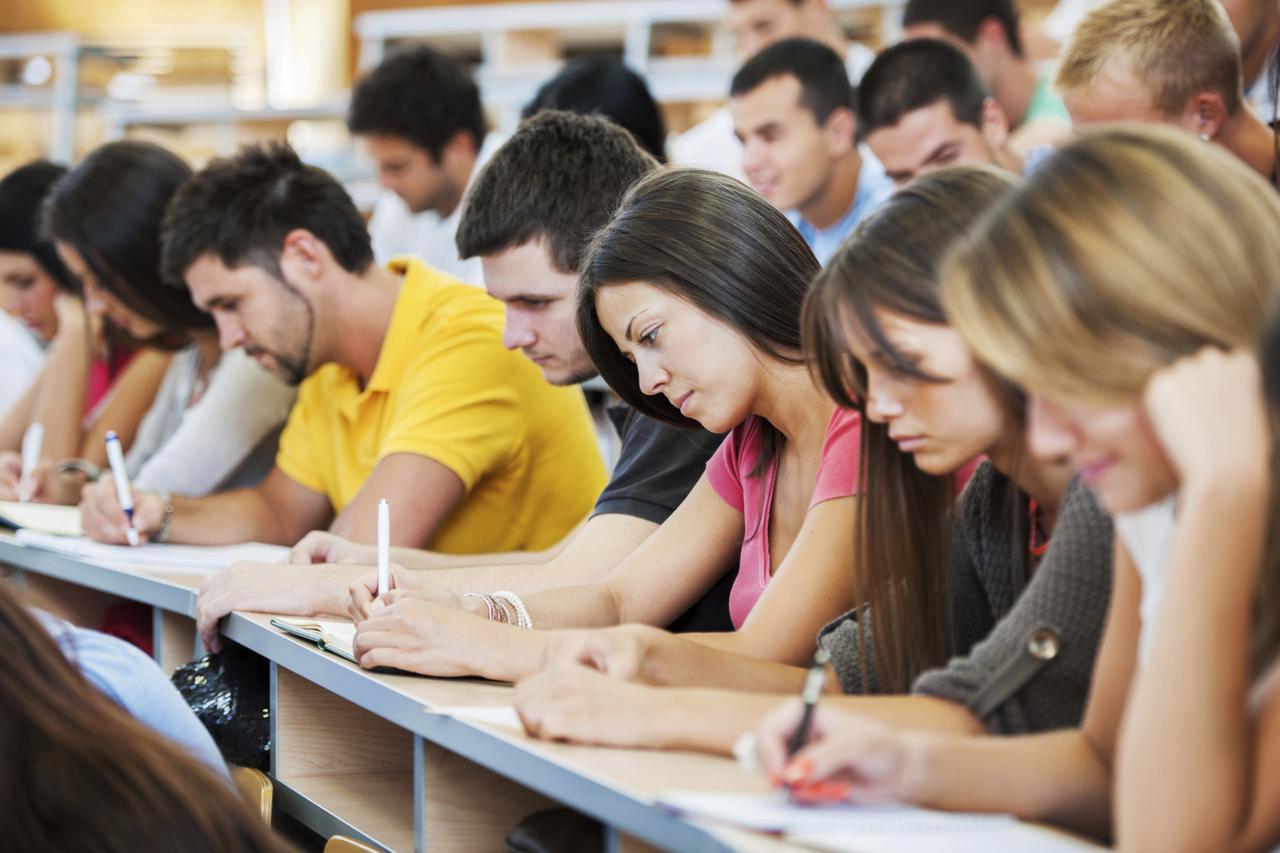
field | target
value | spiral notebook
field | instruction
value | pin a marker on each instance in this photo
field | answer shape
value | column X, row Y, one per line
column 46, row 518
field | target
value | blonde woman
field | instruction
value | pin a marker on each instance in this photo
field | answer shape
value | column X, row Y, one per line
column 1098, row 288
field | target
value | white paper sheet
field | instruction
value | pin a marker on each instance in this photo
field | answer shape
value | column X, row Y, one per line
column 1014, row 838
column 774, row 813
column 46, row 518
column 497, row 715
column 194, row 558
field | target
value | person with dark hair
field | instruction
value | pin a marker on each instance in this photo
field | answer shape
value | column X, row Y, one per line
column 529, row 217
column 756, row 24
column 419, row 117
column 922, row 106
column 31, row 279
column 603, row 85
column 689, row 305
column 792, row 109
column 214, row 420
column 1257, row 24
column 960, row 586
column 82, row 773
column 406, row 390
column 987, row 31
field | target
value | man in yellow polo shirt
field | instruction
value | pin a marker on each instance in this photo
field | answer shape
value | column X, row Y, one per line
column 407, row 392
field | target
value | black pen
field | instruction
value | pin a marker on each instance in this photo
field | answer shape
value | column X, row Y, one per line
column 812, row 690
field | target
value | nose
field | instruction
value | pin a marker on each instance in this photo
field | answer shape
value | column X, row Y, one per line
column 653, row 378
column 1050, row 433
column 230, row 333
column 515, row 334
column 884, row 400
column 753, row 155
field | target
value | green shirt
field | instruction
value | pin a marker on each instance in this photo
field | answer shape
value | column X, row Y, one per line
column 1046, row 104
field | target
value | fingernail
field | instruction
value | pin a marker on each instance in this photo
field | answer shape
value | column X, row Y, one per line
column 797, row 771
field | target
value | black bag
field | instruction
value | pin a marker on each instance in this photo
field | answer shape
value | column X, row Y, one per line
column 558, row 830
column 228, row 692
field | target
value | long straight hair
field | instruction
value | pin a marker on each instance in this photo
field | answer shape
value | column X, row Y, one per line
column 110, row 208
column 713, row 242
column 903, row 552
column 1130, row 249
column 79, row 773
column 1266, row 639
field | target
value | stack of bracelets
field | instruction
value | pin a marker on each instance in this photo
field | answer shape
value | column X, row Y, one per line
column 505, row 607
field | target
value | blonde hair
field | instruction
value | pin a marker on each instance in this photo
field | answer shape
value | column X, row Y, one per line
column 1175, row 48
column 1130, row 248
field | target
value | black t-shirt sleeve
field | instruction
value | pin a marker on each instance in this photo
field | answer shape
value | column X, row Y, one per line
column 658, row 466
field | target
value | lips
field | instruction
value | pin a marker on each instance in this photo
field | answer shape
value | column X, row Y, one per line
column 908, row 443
column 682, row 403
column 1091, row 472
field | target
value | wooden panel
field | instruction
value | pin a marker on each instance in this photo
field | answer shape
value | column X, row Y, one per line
column 177, row 641
column 79, row 605
column 468, row 807
column 345, row 759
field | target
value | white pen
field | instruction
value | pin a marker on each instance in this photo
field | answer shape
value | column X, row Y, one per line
column 32, row 442
column 384, row 547
column 124, row 494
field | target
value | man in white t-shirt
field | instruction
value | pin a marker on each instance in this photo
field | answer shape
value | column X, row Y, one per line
column 755, row 25
column 22, row 358
column 418, row 115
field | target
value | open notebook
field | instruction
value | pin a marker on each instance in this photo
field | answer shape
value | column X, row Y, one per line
column 46, row 518
column 334, row 637
column 191, row 558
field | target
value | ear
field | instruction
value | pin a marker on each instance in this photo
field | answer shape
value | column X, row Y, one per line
column 304, row 257
column 995, row 125
column 461, row 145
column 839, row 130
column 991, row 34
column 1205, row 115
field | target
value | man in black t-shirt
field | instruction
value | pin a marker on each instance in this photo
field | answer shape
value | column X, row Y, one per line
column 529, row 216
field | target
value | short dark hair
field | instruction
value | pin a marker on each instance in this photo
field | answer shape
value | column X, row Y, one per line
column 241, row 208
column 21, row 193
column 603, row 85
column 110, row 208
column 420, row 94
column 962, row 18
column 915, row 74
column 824, row 80
column 560, row 177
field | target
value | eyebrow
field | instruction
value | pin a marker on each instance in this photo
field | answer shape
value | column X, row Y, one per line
column 627, row 334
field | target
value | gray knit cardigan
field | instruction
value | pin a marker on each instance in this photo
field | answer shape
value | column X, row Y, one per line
column 1024, row 650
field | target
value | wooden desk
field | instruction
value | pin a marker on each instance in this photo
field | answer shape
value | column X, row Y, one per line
column 364, row 754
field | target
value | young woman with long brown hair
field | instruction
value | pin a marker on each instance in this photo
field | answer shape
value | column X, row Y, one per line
column 984, row 583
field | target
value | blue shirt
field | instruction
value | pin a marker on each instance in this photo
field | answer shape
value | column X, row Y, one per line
column 874, row 187
column 135, row 683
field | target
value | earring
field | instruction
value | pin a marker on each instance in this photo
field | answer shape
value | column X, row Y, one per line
column 1204, row 137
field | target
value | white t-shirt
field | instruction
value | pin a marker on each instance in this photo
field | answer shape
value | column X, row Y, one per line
column 226, row 440
column 22, row 357
column 1148, row 535
column 395, row 230
column 710, row 144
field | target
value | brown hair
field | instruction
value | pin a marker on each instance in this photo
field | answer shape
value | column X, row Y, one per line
column 1130, row 249
column 81, row 774
column 904, row 555
column 1175, row 48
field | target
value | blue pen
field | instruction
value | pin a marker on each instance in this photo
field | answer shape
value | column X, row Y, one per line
column 124, row 494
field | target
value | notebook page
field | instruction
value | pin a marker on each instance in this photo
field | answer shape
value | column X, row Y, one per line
column 774, row 813
column 46, row 518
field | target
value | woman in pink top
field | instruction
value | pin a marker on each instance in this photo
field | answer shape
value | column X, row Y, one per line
column 689, row 304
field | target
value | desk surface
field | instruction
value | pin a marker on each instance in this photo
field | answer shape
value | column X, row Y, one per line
column 617, row 786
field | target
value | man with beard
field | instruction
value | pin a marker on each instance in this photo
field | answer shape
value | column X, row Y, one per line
column 406, row 390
